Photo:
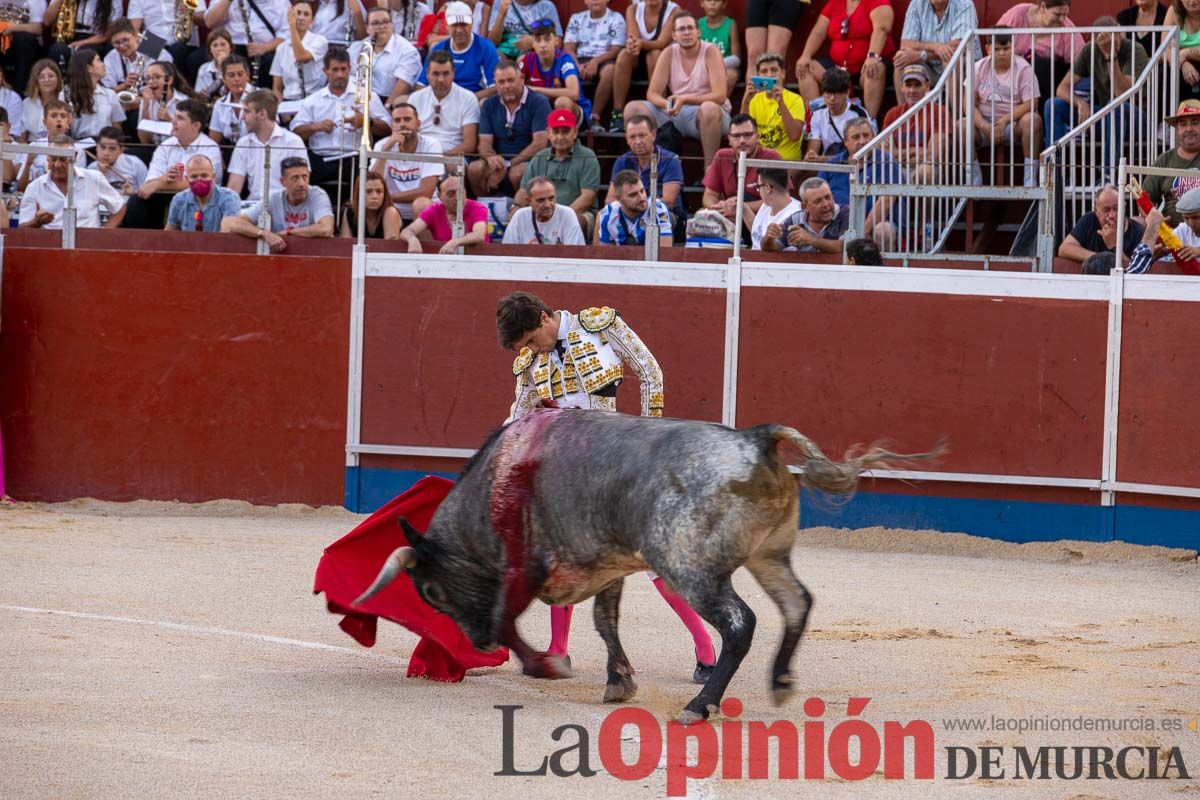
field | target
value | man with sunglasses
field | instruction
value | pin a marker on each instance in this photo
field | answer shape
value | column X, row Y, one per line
column 395, row 63
column 448, row 112
column 720, row 179
column 512, row 129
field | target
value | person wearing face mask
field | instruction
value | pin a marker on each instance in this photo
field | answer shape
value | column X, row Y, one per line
column 202, row 205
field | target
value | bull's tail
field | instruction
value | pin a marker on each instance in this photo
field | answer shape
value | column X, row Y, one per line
column 841, row 478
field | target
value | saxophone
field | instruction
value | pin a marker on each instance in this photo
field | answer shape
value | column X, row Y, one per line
column 64, row 23
column 183, row 18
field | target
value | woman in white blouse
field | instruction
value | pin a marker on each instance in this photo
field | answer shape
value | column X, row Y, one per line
column 45, row 83
column 337, row 18
column 94, row 106
column 165, row 88
column 297, row 67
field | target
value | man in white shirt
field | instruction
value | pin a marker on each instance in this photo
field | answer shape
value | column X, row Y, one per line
column 331, row 125
column 544, row 220
column 264, row 20
column 410, row 183
column 57, row 119
column 159, row 18
column 395, row 63
column 298, row 210
column 246, row 165
column 125, row 66
column 448, row 112
column 166, row 175
column 45, row 198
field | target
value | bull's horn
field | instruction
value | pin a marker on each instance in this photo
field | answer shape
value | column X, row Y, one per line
column 413, row 535
column 400, row 559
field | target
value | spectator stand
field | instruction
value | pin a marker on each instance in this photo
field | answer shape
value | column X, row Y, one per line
column 957, row 170
column 1127, row 127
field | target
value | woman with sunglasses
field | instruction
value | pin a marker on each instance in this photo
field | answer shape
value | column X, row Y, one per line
column 860, row 41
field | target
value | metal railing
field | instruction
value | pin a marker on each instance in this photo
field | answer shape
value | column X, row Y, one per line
column 957, row 143
column 1129, row 126
column 744, row 163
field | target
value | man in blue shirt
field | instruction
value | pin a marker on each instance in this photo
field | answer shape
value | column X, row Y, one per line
column 202, row 205
column 623, row 221
column 639, row 135
column 475, row 58
column 883, row 215
column 512, row 129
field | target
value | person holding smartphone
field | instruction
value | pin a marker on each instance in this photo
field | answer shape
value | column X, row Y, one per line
column 779, row 114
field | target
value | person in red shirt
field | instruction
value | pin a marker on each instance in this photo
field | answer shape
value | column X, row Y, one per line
column 860, row 41
column 720, row 179
column 919, row 141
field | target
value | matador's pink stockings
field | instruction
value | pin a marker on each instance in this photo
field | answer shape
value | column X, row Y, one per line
column 560, row 625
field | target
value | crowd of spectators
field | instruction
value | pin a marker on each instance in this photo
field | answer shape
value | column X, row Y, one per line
column 171, row 110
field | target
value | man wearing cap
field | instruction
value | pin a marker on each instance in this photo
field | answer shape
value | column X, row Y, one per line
column 1096, row 231
column 475, row 58
column 572, row 167
column 918, row 142
column 1185, row 155
column 932, row 31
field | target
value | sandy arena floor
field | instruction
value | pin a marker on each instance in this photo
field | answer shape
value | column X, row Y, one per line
column 156, row 650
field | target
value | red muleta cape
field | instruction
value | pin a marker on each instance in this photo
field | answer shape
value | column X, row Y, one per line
column 350, row 564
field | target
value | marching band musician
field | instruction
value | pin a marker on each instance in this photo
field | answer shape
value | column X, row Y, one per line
column 162, row 93
column 395, row 63
column 208, row 78
column 330, row 121
column 227, row 123
column 125, row 63
column 95, row 105
column 124, row 172
column 161, row 18
column 296, row 70
column 56, row 122
column 246, row 164
column 25, row 42
column 45, row 85
column 341, row 22
column 91, row 27
column 257, row 28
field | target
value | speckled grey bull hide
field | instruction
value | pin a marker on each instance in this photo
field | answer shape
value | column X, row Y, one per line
column 562, row 505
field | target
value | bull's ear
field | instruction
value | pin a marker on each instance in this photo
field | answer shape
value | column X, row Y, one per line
column 414, row 536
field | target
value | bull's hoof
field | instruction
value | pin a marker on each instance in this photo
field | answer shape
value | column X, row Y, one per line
column 781, row 689
column 690, row 715
column 703, row 673
column 544, row 665
column 620, row 692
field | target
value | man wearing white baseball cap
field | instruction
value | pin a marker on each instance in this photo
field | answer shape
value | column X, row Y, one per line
column 475, row 57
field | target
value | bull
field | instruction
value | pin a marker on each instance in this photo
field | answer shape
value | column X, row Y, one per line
column 561, row 505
